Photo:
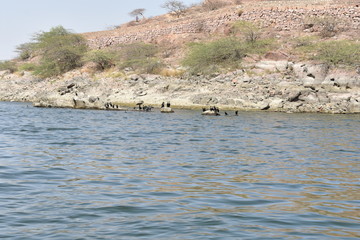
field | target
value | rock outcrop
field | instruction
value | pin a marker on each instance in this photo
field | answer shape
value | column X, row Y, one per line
column 267, row 86
column 166, row 110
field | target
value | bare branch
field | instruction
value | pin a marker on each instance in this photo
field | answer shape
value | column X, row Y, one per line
column 175, row 7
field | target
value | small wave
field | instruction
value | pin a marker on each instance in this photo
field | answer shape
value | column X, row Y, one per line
column 63, row 143
column 122, row 209
column 5, row 187
column 62, row 129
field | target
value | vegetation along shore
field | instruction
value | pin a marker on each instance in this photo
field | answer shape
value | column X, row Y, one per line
column 287, row 56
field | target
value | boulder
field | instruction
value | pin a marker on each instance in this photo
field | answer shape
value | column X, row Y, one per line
column 316, row 72
column 309, row 81
column 339, row 97
column 166, row 110
column 93, row 99
column 79, row 103
column 354, row 105
column 273, row 66
column 210, row 113
column 141, row 93
column 266, row 65
column 135, row 77
column 276, row 103
column 322, row 97
column 263, row 105
column 294, row 96
column 309, row 98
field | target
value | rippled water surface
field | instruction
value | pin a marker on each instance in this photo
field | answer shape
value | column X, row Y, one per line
column 77, row 174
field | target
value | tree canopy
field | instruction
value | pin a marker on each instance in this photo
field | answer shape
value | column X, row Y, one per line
column 176, row 7
column 137, row 12
column 60, row 51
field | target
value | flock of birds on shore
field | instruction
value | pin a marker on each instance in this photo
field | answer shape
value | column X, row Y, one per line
column 216, row 110
column 140, row 107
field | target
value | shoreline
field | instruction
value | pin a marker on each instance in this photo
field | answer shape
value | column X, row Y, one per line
column 277, row 86
column 188, row 108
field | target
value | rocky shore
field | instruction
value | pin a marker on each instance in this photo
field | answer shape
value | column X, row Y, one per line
column 266, row 85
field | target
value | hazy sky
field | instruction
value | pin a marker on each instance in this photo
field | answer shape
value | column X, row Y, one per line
column 20, row 19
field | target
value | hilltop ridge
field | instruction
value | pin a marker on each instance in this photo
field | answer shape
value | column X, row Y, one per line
column 281, row 19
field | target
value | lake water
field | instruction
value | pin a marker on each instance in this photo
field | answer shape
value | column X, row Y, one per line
column 81, row 174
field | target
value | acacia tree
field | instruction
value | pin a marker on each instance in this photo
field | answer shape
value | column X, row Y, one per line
column 60, row 51
column 176, row 7
column 137, row 12
column 25, row 50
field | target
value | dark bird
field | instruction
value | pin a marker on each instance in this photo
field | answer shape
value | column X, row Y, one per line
column 139, row 104
column 236, row 113
column 226, row 113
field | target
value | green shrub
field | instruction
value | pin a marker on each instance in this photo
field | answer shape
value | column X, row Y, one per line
column 258, row 47
column 208, row 57
column 305, row 41
column 8, row 65
column 140, row 57
column 337, row 53
column 226, row 53
column 304, row 47
column 149, row 65
column 138, row 51
column 47, row 69
column 250, row 31
column 26, row 50
column 27, row 67
column 59, row 50
column 103, row 59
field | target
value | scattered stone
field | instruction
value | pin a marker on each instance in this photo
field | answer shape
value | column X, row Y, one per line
column 93, row 99
column 71, row 85
column 134, row 77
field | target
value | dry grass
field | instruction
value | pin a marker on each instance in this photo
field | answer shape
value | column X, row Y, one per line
column 171, row 72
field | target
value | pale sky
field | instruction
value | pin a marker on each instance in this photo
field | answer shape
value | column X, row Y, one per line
column 20, row 19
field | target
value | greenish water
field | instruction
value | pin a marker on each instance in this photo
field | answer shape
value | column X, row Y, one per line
column 76, row 174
